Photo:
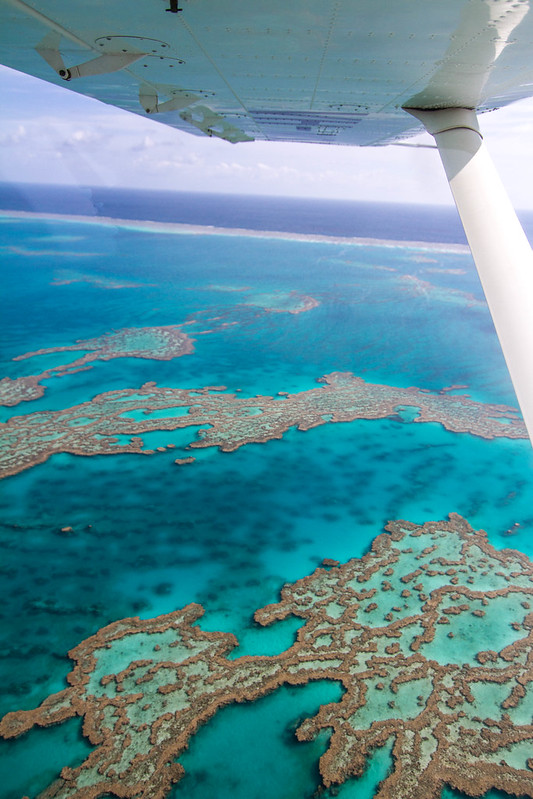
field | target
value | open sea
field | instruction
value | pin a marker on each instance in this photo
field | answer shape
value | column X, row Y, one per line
column 86, row 541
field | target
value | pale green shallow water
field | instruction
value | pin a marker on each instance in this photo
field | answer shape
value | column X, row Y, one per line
column 229, row 530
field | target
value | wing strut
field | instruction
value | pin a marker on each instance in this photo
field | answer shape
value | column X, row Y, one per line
column 499, row 246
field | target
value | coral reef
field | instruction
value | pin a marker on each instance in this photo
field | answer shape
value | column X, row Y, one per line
column 283, row 302
column 228, row 422
column 156, row 343
column 430, row 634
column 274, row 301
column 65, row 277
column 21, row 389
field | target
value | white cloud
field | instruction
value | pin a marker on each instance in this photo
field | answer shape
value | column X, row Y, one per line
column 15, row 136
column 94, row 143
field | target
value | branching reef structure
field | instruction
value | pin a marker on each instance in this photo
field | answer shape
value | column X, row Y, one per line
column 430, row 634
column 112, row 423
column 153, row 343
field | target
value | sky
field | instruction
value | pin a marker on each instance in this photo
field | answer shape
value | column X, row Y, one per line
column 50, row 134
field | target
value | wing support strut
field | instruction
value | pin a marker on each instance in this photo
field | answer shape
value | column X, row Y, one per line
column 499, row 246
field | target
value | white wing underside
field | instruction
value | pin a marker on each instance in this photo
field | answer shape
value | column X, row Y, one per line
column 330, row 71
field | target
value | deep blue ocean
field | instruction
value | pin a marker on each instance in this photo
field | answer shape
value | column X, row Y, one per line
column 292, row 215
column 230, row 529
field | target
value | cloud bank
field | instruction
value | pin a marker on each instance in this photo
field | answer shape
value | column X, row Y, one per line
column 52, row 135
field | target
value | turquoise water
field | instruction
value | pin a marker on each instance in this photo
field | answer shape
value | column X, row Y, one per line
column 229, row 530
column 249, row 751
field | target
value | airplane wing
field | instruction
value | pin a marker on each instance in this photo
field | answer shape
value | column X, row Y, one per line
column 330, row 71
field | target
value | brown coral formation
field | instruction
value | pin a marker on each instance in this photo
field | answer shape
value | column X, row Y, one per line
column 459, row 712
column 156, row 343
column 21, row 389
column 228, row 422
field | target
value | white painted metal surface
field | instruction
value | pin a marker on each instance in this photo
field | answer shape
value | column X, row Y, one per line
column 501, row 251
column 330, row 71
